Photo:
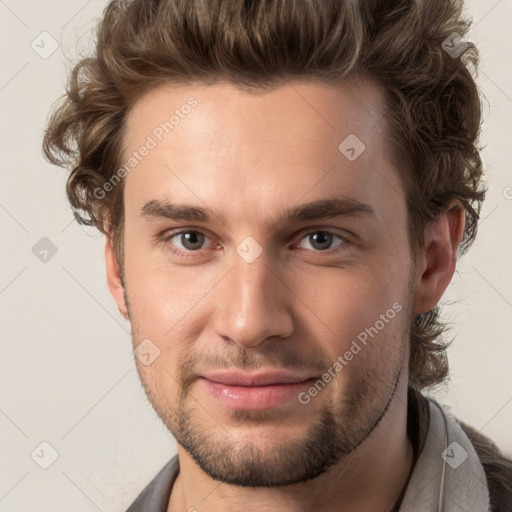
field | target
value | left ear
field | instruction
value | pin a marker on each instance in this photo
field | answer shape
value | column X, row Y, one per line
column 436, row 264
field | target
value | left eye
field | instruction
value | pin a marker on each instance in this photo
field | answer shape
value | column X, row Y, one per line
column 322, row 240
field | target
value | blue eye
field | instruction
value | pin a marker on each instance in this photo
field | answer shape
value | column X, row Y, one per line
column 324, row 241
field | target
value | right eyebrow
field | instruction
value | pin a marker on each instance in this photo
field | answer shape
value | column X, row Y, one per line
column 168, row 210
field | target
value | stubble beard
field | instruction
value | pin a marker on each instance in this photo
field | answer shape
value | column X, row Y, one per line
column 337, row 431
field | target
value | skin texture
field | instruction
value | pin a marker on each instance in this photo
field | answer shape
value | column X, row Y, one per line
column 298, row 306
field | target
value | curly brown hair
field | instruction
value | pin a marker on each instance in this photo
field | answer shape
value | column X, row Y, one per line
column 433, row 109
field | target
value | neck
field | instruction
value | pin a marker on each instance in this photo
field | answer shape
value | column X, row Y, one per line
column 370, row 478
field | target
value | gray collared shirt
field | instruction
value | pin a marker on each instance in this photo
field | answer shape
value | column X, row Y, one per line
column 155, row 497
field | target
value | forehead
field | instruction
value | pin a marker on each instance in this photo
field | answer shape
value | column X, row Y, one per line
column 222, row 110
column 253, row 151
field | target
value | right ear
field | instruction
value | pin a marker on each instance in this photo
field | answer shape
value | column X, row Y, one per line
column 114, row 281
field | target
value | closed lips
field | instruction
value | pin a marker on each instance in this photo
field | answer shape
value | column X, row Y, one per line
column 255, row 380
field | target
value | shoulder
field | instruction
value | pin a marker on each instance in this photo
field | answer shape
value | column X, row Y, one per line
column 497, row 467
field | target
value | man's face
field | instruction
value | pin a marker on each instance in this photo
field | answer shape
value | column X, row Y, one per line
column 255, row 292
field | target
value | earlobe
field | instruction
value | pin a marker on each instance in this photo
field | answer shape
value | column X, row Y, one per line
column 114, row 280
column 442, row 241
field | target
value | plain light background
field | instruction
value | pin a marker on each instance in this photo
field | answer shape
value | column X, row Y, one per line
column 67, row 372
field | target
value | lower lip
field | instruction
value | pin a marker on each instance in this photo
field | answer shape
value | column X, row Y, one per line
column 254, row 397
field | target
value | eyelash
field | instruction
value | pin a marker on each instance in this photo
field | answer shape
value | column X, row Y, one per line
column 344, row 246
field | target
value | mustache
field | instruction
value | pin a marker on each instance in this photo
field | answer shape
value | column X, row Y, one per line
column 277, row 358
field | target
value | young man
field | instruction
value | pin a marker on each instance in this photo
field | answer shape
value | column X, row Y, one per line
column 284, row 189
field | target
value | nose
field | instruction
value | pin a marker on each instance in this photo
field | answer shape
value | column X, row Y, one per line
column 254, row 303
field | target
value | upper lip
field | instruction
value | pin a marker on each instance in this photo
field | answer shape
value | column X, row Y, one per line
column 255, row 379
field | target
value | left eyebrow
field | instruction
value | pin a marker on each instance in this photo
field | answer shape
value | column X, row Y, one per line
column 325, row 209
column 320, row 209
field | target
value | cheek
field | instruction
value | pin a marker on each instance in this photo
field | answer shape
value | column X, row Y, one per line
column 160, row 294
column 351, row 300
column 366, row 307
